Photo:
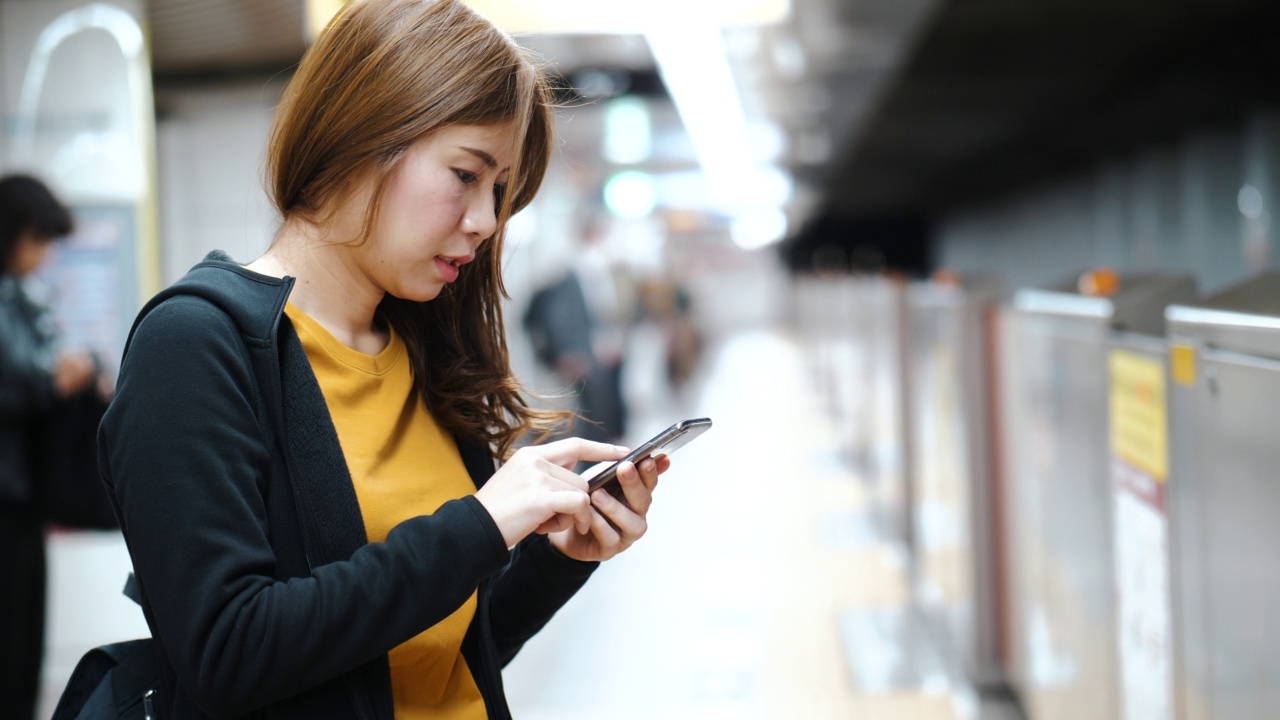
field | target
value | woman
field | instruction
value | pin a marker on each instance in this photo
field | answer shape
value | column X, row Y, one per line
column 31, row 218
column 303, row 449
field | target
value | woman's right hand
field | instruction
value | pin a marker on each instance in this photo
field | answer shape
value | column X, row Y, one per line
column 537, row 490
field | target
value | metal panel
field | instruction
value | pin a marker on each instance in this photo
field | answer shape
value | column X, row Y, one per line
column 878, row 327
column 1224, row 503
column 1060, row 507
column 854, row 328
column 1230, row 668
column 1060, row 498
column 952, row 498
column 1244, row 318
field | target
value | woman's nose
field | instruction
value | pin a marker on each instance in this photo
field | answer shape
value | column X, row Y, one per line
column 481, row 219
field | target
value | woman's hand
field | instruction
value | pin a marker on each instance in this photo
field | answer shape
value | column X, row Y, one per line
column 537, row 490
column 615, row 525
column 73, row 372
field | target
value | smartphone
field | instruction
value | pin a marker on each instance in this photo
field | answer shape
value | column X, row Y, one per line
column 664, row 443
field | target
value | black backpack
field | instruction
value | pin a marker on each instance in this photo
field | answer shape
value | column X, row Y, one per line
column 110, row 682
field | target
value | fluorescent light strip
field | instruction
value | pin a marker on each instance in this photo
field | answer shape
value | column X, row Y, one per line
column 692, row 60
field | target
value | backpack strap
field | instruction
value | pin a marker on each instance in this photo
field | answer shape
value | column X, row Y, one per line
column 85, row 680
column 111, row 678
column 136, row 672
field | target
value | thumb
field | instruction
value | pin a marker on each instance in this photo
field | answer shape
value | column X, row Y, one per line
column 555, row 524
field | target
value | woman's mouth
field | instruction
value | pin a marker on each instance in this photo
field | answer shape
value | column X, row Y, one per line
column 448, row 268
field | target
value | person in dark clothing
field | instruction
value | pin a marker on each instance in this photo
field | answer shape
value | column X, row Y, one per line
column 311, row 455
column 559, row 325
column 31, row 377
column 575, row 324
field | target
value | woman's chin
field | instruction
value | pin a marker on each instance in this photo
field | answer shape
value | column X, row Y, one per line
column 418, row 293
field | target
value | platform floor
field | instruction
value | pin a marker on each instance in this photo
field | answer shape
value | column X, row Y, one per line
column 765, row 588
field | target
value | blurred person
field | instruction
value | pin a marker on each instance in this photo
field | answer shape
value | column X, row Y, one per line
column 669, row 306
column 685, row 342
column 559, row 327
column 577, row 325
column 609, row 292
column 32, row 379
column 312, row 455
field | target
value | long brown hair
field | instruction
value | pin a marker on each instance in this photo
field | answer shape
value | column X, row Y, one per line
column 384, row 74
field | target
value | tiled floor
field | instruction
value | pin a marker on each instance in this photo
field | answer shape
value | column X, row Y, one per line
column 765, row 588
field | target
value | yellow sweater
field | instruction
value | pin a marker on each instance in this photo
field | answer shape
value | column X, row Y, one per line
column 403, row 465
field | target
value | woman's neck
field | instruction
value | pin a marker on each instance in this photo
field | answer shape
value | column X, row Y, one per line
column 329, row 286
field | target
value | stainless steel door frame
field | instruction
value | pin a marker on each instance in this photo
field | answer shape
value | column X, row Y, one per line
column 1224, row 503
column 947, row 346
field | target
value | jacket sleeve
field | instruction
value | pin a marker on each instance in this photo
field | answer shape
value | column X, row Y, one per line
column 537, row 582
column 187, row 464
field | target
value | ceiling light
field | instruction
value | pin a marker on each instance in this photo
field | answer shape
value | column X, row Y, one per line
column 630, row 194
column 755, row 230
column 628, row 136
column 1250, row 202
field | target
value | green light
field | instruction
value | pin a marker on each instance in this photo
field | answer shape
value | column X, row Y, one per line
column 630, row 194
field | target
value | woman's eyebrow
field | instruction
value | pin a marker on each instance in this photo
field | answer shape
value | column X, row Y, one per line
column 484, row 156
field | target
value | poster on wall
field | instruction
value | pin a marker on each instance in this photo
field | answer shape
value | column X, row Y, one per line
column 91, row 283
column 1140, row 466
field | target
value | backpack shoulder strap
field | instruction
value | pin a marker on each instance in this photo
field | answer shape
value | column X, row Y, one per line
column 109, row 678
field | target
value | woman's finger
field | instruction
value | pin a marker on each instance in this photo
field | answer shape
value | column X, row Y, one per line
column 624, row 526
column 569, row 452
column 608, row 537
column 635, row 489
column 555, row 524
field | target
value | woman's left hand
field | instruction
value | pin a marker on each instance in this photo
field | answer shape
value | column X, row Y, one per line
column 615, row 525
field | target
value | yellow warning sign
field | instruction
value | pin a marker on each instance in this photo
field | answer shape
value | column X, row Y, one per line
column 1139, row 412
column 1182, row 364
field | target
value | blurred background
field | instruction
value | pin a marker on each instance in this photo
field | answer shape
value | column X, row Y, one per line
column 981, row 296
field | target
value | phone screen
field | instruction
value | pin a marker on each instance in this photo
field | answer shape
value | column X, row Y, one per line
column 664, row 443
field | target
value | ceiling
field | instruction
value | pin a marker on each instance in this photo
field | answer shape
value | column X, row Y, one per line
column 814, row 76
column 891, row 113
column 1000, row 95
column 200, row 40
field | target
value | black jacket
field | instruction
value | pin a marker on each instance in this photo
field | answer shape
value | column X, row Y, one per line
column 256, row 576
column 26, row 387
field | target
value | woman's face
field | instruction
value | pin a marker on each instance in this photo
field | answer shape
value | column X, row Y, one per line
column 29, row 253
column 439, row 205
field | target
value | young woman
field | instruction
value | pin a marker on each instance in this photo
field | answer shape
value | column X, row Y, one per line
column 303, row 450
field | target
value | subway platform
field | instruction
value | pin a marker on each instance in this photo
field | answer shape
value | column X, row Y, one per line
column 768, row 586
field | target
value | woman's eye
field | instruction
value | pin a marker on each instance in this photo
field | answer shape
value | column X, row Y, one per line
column 499, row 192
column 466, row 177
